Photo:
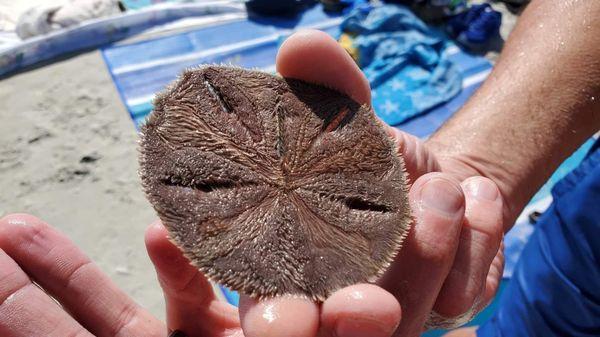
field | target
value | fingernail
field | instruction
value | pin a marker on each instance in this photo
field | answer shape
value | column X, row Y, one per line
column 442, row 195
column 482, row 189
column 360, row 328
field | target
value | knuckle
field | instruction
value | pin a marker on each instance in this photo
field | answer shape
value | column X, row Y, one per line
column 12, row 278
column 72, row 276
column 125, row 318
column 497, row 235
column 491, row 238
column 461, row 291
column 482, row 244
column 489, row 229
column 459, row 307
column 437, row 256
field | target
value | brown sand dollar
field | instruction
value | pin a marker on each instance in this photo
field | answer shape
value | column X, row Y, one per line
column 274, row 186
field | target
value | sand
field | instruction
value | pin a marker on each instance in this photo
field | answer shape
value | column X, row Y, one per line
column 68, row 154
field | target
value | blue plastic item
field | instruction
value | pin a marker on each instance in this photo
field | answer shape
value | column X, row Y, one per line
column 485, row 26
column 477, row 25
column 460, row 22
column 555, row 289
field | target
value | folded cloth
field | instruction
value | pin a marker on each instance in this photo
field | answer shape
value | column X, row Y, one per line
column 41, row 20
column 403, row 59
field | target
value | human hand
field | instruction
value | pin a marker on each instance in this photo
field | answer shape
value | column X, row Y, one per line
column 90, row 304
column 445, row 264
column 48, row 287
column 451, row 262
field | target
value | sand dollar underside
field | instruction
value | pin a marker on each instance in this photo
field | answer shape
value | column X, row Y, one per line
column 273, row 186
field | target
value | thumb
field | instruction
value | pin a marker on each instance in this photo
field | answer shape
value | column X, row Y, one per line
column 313, row 56
column 192, row 306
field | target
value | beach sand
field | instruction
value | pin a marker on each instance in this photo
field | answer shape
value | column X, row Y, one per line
column 68, row 154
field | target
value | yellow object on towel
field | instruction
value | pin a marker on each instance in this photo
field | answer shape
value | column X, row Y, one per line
column 347, row 42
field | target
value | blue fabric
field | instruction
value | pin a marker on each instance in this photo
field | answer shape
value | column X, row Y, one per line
column 403, row 60
column 555, row 289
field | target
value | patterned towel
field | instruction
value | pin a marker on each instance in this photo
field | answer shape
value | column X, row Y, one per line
column 403, row 59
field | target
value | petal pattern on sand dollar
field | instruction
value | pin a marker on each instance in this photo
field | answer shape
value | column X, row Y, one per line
column 274, row 186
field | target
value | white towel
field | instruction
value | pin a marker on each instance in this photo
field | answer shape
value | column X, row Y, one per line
column 45, row 18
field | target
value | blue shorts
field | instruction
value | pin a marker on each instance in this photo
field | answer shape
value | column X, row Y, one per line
column 555, row 288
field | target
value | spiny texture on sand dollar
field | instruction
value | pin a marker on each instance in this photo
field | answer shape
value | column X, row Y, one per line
column 274, row 186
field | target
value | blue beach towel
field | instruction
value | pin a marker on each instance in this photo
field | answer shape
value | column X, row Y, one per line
column 404, row 61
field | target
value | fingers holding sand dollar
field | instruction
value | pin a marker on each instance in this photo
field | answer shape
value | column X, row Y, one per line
column 360, row 310
column 191, row 304
column 421, row 266
column 462, row 295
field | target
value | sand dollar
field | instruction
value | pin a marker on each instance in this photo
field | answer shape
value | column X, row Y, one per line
column 274, row 186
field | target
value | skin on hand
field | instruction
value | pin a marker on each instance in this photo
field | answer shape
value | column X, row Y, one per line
column 451, row 261
column 92, row 305
column 444, row 210
column 446, row 261
column 537, row 106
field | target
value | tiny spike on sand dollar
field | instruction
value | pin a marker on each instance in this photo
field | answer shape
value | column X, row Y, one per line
column 274, row 186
